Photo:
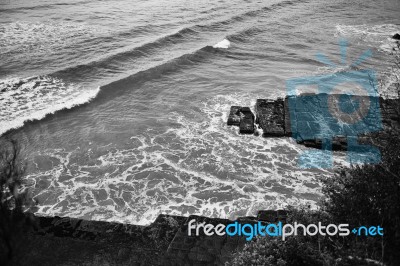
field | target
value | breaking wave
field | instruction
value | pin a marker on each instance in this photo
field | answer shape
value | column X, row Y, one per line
column 224, row 44
column 26, row 99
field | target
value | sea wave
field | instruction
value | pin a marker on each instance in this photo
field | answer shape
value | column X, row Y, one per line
column 19, row 7
column 26, row 37
column 33, row 98
column 26, row 99
column 224, row 44
column 256, row 12
column 121, row 60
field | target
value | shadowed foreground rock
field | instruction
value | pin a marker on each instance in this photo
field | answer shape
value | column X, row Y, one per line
column 69, row 241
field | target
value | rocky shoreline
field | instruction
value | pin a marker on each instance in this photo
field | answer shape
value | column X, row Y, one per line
column 274, row 119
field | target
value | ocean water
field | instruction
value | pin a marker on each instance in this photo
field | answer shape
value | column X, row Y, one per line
column 120, row 107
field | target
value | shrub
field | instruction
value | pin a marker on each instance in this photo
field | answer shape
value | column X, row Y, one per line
column 369, row 195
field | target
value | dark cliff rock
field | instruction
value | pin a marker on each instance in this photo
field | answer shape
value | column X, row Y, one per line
column 70, row 241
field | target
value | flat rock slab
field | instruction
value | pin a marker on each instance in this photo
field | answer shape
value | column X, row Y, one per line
column 270, row 116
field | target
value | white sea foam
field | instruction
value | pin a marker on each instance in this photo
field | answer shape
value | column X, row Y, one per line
column 198, row 167
column 224, row 44
column 24, row 99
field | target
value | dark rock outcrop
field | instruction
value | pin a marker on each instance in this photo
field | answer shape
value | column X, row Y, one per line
column 70, row 241
column 242, row 117
column 396, row 36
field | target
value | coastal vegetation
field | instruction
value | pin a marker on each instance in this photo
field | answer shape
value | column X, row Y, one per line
column 361, row 195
